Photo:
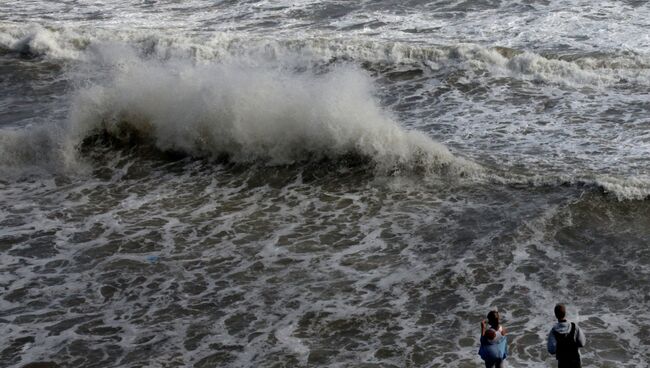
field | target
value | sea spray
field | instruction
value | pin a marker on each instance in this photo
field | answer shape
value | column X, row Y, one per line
column 250, row 115
column 36, row 151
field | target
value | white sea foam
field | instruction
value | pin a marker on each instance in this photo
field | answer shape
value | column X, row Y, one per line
column 89, row 43
column 284, row 336
column 35, row 39
column 576, row 24
column 628, row 188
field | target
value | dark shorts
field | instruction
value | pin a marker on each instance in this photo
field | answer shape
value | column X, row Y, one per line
column 569, row 364
column 497, row 363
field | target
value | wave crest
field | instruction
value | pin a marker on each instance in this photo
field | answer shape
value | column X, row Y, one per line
column 91, row 44
column 253, row 115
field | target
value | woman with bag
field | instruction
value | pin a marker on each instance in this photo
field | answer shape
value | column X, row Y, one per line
column 494, row 343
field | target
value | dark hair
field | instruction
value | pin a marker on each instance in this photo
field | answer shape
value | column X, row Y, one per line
column 493, row 319
column 560, row 311
column 490, row 334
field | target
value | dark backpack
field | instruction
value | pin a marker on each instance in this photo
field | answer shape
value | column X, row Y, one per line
column 567, row 347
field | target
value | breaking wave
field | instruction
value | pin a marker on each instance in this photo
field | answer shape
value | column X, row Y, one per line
column 239, row 104
column 87, row 44
column 263, row 115
column 633, row 188
column 253, row 115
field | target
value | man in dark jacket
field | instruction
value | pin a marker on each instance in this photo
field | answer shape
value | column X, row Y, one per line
column 565, row 339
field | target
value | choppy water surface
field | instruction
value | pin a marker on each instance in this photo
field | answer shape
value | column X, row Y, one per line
column 268, row 184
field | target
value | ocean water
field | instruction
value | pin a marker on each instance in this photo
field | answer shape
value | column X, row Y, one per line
column 322, row 184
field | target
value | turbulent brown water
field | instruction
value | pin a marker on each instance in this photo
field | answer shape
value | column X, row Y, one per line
column 309, row 184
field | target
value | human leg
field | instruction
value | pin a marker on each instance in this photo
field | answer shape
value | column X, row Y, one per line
column 569, row 364
column 496, row 363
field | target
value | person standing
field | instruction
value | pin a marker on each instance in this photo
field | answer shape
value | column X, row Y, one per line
column 565, row 339
column 494, row 344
